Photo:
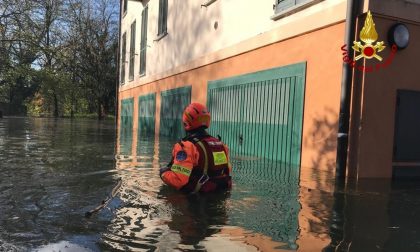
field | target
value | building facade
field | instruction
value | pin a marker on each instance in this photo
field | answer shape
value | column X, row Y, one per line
column 271, row 73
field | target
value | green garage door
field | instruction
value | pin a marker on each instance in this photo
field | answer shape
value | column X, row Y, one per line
column 147, row 107
column 146, row 128
column 260, row 114
column 126, row 126
column 173, row 103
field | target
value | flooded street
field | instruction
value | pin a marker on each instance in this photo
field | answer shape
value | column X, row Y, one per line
column 54, row 171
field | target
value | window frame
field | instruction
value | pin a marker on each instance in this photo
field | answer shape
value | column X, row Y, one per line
column 208, row 3
column 291, row 8
column 123, row 56
column 132, row 51
column 143, row 40
column 163, row 18
column 124, row 6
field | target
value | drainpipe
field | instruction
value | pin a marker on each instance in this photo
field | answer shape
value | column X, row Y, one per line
column 117, row 82
column 344, row 117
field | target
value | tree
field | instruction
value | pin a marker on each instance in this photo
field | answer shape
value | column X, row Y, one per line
column 17, row 53
column 60, row 52
column 95, row 25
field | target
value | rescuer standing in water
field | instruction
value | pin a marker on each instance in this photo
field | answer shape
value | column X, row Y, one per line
column 200, row 162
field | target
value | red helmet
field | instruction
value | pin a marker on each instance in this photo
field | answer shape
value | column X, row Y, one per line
column 195, row 115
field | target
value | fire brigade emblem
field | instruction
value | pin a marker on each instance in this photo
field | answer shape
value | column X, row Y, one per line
column 368, row 35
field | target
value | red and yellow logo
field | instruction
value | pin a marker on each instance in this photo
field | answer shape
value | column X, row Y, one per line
column 368, row 48
column 368, row 35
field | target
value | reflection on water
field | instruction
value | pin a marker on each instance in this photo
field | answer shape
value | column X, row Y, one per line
column 49, row 178
column 265, row 200
column 53, row 171
column 261, row 211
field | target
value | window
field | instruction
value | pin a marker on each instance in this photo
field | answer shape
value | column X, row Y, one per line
column 125, row 5
column 163, row 17
column 123, row 45
column 283, row 5
column 132, row 50
column 143, row 42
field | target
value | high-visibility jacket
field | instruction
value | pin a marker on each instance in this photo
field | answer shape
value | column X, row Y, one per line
column 199, row 164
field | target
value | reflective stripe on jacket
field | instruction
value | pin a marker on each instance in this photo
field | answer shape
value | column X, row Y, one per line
column 185, row 157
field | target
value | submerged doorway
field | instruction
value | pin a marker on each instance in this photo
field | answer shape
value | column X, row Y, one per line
column 260, row 114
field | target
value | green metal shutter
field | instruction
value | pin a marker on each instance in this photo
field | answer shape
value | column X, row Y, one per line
column 173, row 103
column 277, row 191
column 132, row 51
column 123, row 52
column 282, row 5
column 260, row 114
column 163, row 16
column 160, row 17
column 126, row 126
column 143, row 40
column 147, row 106
column 146, row 128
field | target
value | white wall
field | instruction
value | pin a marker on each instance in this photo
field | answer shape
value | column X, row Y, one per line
column 192, row 35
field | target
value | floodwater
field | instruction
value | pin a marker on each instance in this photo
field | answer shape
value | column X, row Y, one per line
column 54, row 171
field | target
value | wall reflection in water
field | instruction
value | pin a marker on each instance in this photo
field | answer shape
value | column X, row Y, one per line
column 271, row 207
column 53, row 171
column 260, row 213
column 375, row 215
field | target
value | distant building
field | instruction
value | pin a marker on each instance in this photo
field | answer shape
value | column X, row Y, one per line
column 271, row 73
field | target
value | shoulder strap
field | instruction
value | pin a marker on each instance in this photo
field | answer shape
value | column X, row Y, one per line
column 206, row 158
column 204, row 177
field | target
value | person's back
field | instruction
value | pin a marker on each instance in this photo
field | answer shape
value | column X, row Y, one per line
column 200, row 162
